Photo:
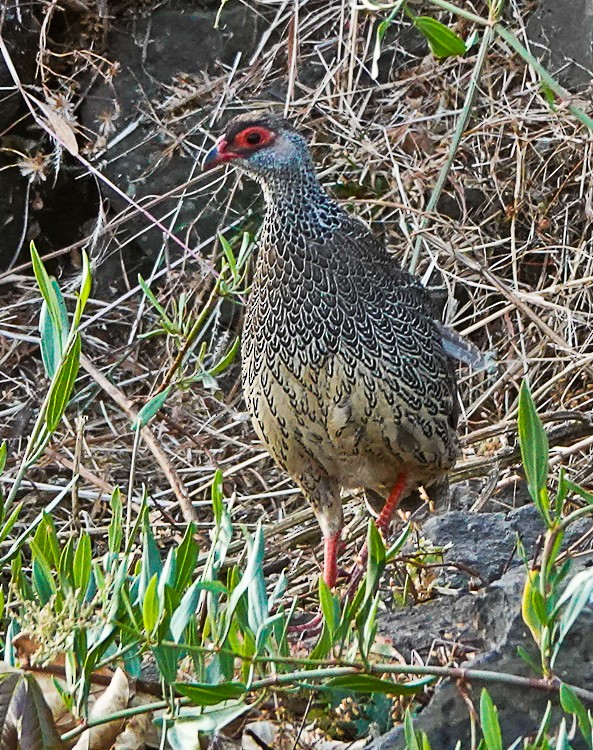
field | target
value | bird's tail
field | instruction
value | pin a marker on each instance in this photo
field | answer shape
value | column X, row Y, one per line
column 463, row 350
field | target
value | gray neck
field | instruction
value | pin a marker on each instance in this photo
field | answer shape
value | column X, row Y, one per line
column 296, row 202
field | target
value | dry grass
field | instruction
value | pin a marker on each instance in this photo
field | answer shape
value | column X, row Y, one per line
column 513, row 257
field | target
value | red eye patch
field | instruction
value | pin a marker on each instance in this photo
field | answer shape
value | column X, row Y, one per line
column 252, row 138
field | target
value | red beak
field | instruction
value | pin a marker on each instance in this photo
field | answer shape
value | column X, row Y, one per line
column 218, row 154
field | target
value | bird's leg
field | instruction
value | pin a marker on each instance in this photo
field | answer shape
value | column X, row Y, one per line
column 331, row 543
column 382, row 523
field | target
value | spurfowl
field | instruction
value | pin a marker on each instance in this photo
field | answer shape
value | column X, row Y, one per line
column 346, row 373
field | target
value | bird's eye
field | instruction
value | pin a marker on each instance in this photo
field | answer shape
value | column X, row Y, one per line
column 253, row 138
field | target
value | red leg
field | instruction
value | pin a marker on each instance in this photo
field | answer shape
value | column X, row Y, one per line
column 382, row 523
column 330, row 558
column 386, row 515
column 330, row 573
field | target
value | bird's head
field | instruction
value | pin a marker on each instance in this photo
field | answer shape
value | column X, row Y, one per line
column 263, row 145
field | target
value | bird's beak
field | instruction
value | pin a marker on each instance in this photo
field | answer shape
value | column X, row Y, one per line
column 218, row 154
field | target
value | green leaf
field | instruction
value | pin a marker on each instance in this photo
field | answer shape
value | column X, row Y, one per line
column 82, row 564
column 399, row 543
column 228, row 358
column 167, row 659
column 409, row 732
column 46, row 539
column 578, row 490
column 150, row 606
column 85, row 290
column 148, row 411
column 534, row 451
column 572, row 705
column 329, row 606
column 562, row 742
column 443, row 42
column 53, row 320
column 575, row 597
column 183, row 733
column 115, row 531
column 252, row 569
column 43, row 581
column 3, row 455
column 201, row 694
column 151, row 561
column 9, row 524
column 186, row 557
column 489, row 722
column 188, row 605
column 154, row 302
column 229, row 255
column 61, row 386
column 257, row 600
column 365, row 683
column 217, row 494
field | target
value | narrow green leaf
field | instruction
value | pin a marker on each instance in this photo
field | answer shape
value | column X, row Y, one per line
column 85, row 290
column 410, row 733
column 61, row 386
column 562, row 742
column 252, row 569
column 154, row 301
column 49, row 292
column 150, row 606
column 210, row 695
column 183, row 733
column 43, row 580
column 572, row 705
column 151, row 561
column 257, row 600
column 578, row 490
column 186, row 557
column 53, row 337
column 167, row 659
column 217, row 494
column 443, row 42
column 9, row 524
column 575, row 597
column 229, row 255
column 115, row 531
column 188, row 605
column 82, row 564
column 328, row 605
column 365, row 683
column 3, row 455
column 66, row 566
column 167, row 576
column 228, row 358
column 534, row 450
column 148, row 411
column 489, row 722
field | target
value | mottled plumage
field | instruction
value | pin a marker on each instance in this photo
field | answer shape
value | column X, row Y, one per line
column 344, row 369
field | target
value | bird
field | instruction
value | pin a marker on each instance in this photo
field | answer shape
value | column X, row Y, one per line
column 347, row 373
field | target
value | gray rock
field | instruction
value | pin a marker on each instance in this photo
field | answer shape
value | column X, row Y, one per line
column 491, row 622
column 485, row 543
column 162, row 60
column 561, row 34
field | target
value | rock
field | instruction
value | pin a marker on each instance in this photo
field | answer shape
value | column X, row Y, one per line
column 489, row 622
column 20, row 33
column 152, row 119
column 484, row 543
column 561, row 34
